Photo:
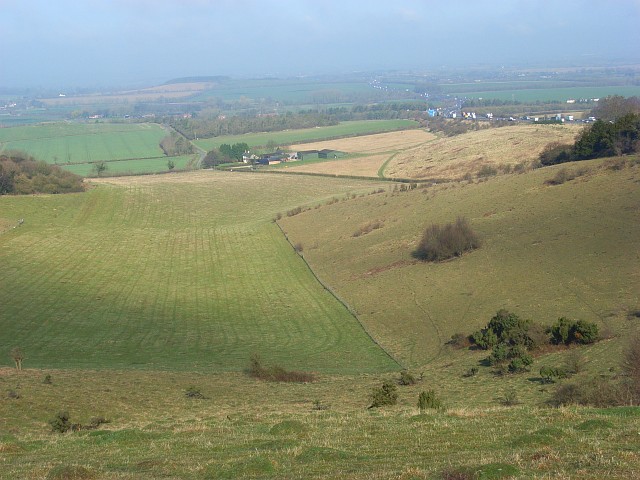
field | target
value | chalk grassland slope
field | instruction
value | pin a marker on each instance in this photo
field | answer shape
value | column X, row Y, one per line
column 250, row 429
column 372, row 150
column 181, row 272
column 288, row 137
column 453, row 157
column 567, row 250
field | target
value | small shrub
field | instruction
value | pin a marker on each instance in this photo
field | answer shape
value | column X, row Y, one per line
column 294, row 211
column 47, row 379
column 60, row 423
column 429, row 399
column 459, row 340
column 193, row 392
column 510, row 398
column 595, row 392
column 406, row 378
column 298, row 247
column 555, row 153
column 318, row 405
column 444, row 242
column 487, row 171
column 12, row 394
column 473, row 371
column 385, row 395
column 551, row 374
column 562, row 176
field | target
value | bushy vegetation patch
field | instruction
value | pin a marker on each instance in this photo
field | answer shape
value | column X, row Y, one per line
column 444, row 242
column 368, row 227
column 407, row 378
column 566, row 331
column 387, row 394
column 22, row 174
column 617, row 133
column 429, row 400
column 276, row 373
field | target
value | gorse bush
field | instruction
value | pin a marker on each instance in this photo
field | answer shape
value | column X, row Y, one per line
column 566, row 331
column 429, row 399
column 387, row 394
column 444, row 242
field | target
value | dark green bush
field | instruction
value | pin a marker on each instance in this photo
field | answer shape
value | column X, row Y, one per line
column 60, row 423
column 385, row 395
column 193, row 392
column 429, row 399
column 566, row 331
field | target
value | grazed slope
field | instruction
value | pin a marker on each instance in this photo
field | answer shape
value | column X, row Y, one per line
column 452, row 157
column 548, row 251
column 186, row 273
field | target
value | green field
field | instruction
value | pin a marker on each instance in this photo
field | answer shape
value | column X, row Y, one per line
column 132, row 167
column 172, row 274
column 289, row 137
column 569, row 250
column 63, row 143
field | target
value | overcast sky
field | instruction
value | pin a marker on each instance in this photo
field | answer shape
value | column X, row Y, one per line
column 127, row 42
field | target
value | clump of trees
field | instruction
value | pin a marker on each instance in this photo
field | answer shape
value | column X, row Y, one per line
column 442, row 242
column 22, row 174
column 225, row 154
column 174, row 145
column 616, row 132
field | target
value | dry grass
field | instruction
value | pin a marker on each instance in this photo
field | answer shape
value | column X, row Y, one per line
column 362, row 166
column 378, row 143
column 453, row 157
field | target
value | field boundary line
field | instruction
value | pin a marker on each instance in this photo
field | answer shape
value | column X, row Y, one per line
column 339, row 299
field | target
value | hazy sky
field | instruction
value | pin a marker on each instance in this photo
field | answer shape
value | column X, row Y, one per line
column 122, row 42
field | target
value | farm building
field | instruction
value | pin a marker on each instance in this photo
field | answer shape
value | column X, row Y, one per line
column 326, row 153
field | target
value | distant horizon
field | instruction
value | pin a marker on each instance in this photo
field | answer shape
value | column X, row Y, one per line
column 72, row 43
column 158, row 81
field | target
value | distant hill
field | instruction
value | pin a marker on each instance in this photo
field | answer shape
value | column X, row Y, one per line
column 198, row 79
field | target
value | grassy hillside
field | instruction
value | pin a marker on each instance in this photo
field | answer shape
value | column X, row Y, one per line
column 496, row 148
column 250, row 429
column 173, row 272
column 549, row 251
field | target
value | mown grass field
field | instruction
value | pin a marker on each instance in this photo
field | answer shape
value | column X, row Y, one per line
column 63, row 143
column 183, row 272
column 548, row 251
column 288, row 137
column 133, row 167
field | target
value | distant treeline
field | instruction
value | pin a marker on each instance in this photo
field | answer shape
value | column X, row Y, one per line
column 22, row 174
column 201, row 127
